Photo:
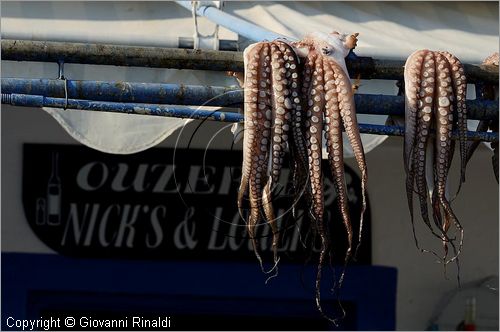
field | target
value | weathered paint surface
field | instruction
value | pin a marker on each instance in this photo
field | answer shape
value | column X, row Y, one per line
column 179, row 94
column 188, row 112
column 158, row 57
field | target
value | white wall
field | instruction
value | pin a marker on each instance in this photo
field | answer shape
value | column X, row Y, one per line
column 421, row 282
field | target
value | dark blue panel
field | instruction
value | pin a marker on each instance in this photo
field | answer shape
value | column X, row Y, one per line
column 31, row 283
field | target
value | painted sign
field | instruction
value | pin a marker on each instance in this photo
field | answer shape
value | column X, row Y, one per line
column 164, row 204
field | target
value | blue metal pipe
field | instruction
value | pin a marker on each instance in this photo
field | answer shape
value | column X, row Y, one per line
column 154, row 93
column 120, row 91
column 127, row 108
column 186, row 112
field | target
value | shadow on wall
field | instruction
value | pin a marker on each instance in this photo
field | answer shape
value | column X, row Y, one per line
column 421, row 15
column 98, row 11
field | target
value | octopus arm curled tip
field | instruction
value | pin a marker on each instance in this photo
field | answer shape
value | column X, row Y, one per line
column 348, row 115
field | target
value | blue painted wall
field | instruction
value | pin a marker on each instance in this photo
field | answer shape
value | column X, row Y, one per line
column 191, row 293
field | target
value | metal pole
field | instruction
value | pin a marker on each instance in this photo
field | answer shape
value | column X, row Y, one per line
column 158, row 57
column 120, row 55
column 186, row 112
column 177, row 111
column 176, row 94
column 120, row 91
column 235, row 24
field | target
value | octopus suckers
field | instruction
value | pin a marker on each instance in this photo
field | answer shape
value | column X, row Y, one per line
column 444, row 102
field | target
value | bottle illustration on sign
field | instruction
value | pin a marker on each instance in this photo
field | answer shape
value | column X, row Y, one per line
column 54, row 194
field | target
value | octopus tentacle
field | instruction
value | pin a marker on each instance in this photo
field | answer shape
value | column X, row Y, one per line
column 459, row 84
column 251, row 90
column 412, row 75
column 348, row 115
column 314, row 126
column 427, row 90
column 334, row 145
column 261, row 126
column 297, row 142
column 444, row 126
column 279, row 135
column 307, row 77
column 300, row 133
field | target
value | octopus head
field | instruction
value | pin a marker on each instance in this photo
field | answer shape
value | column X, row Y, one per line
column 333, row 44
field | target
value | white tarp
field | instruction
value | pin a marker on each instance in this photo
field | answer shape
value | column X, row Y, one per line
column 387, row 30
column 116, row 133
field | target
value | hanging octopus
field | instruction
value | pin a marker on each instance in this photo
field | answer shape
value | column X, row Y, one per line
column 295, row 92
column 435, row 86
column 488, row 92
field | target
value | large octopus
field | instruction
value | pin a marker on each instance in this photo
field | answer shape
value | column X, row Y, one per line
column 435, row 86
column 295, row 92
